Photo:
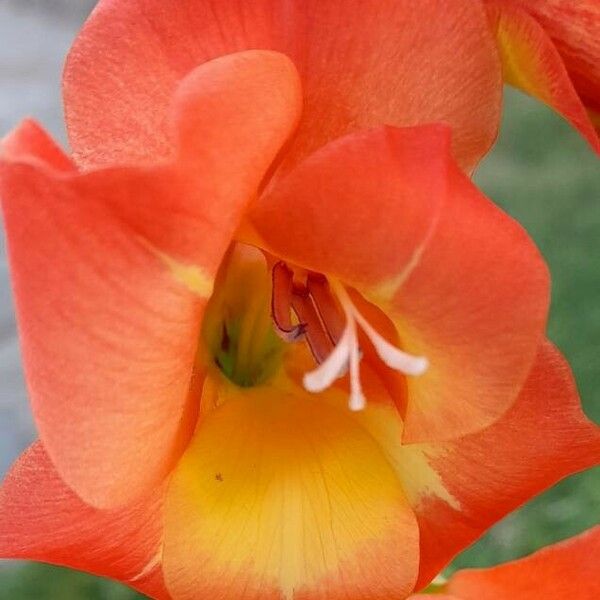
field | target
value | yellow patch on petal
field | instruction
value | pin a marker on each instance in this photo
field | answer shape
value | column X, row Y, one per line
column 386, row 290
column 532, row 62
column 410, row 461
column 420, row 480
column 520, row 64
column 193, row 277
column 284, row 495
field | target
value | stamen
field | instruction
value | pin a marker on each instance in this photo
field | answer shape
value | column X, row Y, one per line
column 333, row 319
column 393, row 357
column 281, row 304
column 347, row 353
column 314, row 331
column 332, row 335
column 332, row 367
column 357, row 398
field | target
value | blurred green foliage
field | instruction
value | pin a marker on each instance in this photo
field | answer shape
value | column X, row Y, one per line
column 43, row 582
column 544, row 175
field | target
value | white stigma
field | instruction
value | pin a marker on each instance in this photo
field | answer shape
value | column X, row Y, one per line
column 346, row 356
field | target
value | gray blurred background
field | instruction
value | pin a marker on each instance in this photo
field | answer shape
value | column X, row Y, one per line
column 34, row 37
column 540, row 172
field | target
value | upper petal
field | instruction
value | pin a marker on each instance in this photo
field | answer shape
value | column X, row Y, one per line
column 42, row 519
column 532, row 63
column 112, row 270
column 389, row 213
column 387, row 62
column 460, row 488
column 362, row 207
column 568, row 569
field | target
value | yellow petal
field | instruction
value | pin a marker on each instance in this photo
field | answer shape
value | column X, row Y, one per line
column 287, row 495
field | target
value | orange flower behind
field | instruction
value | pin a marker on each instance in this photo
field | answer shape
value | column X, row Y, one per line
column 568, row 569
column 550, row 49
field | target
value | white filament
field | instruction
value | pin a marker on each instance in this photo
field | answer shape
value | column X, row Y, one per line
column 357, row 398
column 346, row 355
column 332, row 367
column 393, row 357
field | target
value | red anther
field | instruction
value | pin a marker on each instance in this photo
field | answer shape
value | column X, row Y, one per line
column 329, row 310
column 321, row 321
column 281, row 304
column 318, row 340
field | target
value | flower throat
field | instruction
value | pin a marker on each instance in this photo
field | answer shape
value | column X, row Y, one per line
column 257, row 310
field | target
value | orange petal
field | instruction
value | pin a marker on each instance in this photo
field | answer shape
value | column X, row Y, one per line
column 435, row 596
column 112, row 270
column 460, row 488
column 360, row 68
column 231, row 116
column 475, row 305
column 362, row 207
column 386, row 212
column 43, row 520
column 565, row 570
column 108, row 333
column 575, row 30
column 532, row 63
column 282, row 494
column 29, row 143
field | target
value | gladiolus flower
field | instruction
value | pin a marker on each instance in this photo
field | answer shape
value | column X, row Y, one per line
column 231, row 267
column 568, row 569
column 550, row 49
